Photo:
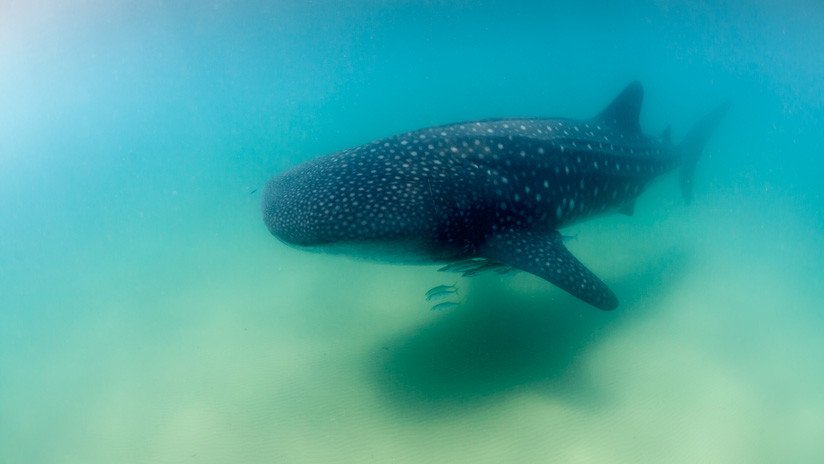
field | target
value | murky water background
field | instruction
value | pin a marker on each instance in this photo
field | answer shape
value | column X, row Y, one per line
column 147, row 316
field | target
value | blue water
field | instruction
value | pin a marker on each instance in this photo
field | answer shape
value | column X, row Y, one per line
column 147, row 316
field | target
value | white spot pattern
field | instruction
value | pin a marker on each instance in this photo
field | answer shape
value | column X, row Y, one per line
column 433, row 184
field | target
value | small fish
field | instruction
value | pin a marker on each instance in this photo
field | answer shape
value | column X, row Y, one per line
column 439, row 296
column 445, row 305
column 441, row 291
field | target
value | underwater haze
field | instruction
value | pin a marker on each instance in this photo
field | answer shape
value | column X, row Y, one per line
column 148, row 316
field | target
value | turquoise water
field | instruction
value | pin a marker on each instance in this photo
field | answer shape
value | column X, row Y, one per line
column 147, row 316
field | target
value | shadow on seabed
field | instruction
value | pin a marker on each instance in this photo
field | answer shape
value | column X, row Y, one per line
column 501, row 341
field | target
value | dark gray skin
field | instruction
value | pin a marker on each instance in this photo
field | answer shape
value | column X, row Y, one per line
column 497, row 189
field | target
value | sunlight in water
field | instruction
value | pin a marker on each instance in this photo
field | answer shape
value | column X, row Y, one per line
column 148, row 315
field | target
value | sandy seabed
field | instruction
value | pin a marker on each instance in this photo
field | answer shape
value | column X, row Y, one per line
column 235, row 348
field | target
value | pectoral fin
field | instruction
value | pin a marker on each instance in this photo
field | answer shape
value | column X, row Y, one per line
column 546, row 257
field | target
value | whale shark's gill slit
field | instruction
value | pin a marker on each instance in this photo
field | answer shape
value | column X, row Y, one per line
column 546, row 257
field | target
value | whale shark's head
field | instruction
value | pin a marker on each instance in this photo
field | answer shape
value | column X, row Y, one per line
column 299, row 209
column 341, row 199
column 281, row 206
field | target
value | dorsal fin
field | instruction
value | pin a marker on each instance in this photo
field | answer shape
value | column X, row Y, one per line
column 625, row 109
column 666, row 136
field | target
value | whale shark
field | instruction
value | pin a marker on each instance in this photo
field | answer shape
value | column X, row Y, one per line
column 493, row 189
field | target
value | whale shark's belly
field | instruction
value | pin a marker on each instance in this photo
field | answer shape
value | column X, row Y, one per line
column 409, row 250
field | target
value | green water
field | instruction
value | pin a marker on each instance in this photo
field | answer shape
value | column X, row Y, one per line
column 147, row 316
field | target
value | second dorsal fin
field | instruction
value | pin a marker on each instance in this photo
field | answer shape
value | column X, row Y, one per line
column 622, row 114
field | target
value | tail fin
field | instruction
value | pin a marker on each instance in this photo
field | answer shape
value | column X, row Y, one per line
column 693, row 145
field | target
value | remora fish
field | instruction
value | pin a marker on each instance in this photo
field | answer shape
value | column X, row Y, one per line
column 441, row 291
column 495, row 189
column 445, row 306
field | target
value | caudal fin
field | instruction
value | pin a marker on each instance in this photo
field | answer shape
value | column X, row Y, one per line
column 693, row 145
